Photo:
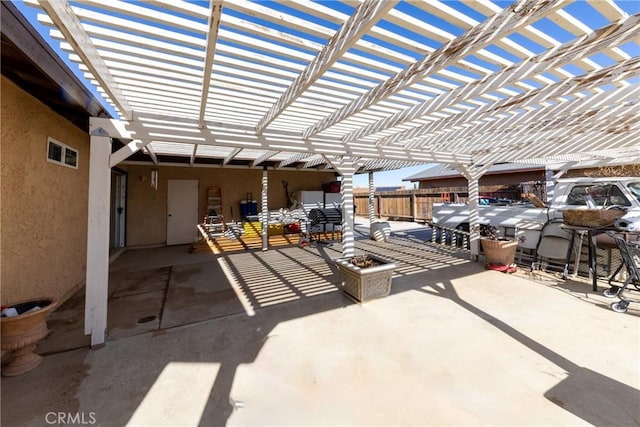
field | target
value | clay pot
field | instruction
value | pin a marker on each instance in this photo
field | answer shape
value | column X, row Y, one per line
column 22, row 333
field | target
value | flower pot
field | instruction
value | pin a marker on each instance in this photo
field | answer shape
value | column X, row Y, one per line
column 22, row 333
column 501, row 251
column 380, row 231
column 364, row 284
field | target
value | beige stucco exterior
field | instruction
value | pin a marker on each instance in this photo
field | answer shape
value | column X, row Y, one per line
column 43, row 210
column 147, row 207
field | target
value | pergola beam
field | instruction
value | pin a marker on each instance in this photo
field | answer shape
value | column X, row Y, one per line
column 264, row 157
column 126, row 151
column 192, row 160
column 153, row 155
column 215, row 12
column 509, row 20
column 231, row 155
column 364, row 17
column 293, row 159
column 186, row 131
column 62, row 15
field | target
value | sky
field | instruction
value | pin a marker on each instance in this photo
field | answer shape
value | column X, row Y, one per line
column 387, row 178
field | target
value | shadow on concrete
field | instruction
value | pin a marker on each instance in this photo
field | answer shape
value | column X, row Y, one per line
column 595, row 398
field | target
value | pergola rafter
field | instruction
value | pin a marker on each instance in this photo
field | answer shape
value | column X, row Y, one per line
column 215, row 11
column 533, row 98
column 61, row 14
column 365, row 16
column 620, row 32
column 567, row 117
column 501, row 25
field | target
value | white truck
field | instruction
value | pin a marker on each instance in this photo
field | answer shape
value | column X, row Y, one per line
column 568, row 193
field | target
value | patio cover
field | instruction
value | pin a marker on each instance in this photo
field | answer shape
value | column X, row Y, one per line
column 388, row 83
column 352, row 85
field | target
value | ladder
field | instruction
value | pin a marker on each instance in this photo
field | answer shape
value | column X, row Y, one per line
column 214, row 201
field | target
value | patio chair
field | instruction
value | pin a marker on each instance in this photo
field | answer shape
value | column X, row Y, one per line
column 630, row 252
column 554, row 247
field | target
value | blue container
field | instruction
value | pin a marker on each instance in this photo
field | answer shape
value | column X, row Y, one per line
column 248, row 208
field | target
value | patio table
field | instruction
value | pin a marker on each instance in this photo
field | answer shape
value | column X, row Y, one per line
column 592, row 232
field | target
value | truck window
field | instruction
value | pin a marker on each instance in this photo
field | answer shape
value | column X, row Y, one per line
column 634, row 187
column 603, row 195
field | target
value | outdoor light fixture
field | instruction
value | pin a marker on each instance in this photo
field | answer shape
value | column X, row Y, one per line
column 154, row 179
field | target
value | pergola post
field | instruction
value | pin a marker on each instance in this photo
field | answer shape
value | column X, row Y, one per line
column 346, row 190
column 372, row 213
column 473, row 173
column 97, row 278
column 265, row 210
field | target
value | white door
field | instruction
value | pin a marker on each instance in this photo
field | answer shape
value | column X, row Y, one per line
column 182, row 211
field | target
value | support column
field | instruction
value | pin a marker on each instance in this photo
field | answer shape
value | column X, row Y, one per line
column 371, row 207
column 474, row 215
column 552, row 178
column 348, row 242
column 473, row 173
column 97, row 278
column 265, row 210
column 347, row 167
column 549, row 184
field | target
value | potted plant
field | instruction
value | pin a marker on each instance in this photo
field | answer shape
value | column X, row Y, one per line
column 23, row 326
column 498, row 251
column 366, row 277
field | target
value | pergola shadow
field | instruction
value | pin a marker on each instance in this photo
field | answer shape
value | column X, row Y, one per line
column 590, row 395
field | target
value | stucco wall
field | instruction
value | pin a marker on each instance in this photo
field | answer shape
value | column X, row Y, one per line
column 43, row 209
column 147, row 208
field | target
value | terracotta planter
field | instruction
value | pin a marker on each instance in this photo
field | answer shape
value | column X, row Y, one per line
column 499, row 251
column 364, row 284
column 22, row 333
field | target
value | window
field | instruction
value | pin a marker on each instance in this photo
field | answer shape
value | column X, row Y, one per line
column 635, row 189
column 61, row 154
column 603, row 195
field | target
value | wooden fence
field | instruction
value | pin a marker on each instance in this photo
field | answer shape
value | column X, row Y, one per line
column 416, row 205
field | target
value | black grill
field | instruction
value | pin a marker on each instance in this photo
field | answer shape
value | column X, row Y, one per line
column 325, row 216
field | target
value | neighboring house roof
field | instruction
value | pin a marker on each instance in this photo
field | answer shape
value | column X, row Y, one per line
column 390, row 188
column 443, row 171
column 29, row 61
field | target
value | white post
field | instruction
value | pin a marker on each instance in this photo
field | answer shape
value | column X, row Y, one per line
column 473, row 174
column 549, row 184
column 348, row 242
column 265, row 211
column 347, row 167
column 372, row 213
column 95, row 318
column 474, row 216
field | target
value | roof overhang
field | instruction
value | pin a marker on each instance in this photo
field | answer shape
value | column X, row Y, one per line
column 33, row 65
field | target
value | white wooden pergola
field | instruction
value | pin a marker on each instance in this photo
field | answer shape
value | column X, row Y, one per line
column 355, row 85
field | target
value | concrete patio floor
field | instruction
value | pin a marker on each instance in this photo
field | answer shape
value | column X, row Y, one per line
column 266, row 338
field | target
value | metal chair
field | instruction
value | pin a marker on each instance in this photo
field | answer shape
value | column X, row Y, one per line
column 555, row 245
